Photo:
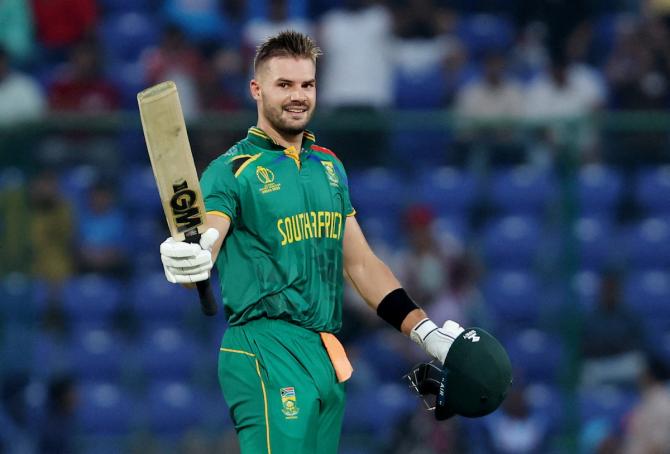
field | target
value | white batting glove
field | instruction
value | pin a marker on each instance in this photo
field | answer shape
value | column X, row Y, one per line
column 187, row 263
column 434, row 340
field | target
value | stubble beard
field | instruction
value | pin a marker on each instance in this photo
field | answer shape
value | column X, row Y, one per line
column 274, row 117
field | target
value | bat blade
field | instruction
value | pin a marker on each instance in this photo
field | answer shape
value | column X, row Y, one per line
column 174, row 170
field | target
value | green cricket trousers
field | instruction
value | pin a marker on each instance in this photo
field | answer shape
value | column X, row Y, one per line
column 281, row 388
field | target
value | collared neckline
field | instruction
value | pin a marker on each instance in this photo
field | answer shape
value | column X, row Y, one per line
column 258, row 137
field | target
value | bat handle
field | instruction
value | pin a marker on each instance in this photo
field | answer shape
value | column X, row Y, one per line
column 207, row 301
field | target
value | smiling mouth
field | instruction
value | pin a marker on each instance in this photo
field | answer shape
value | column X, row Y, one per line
column 296, row 109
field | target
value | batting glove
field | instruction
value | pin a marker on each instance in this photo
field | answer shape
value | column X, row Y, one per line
column 187, row 263
column 434, row 340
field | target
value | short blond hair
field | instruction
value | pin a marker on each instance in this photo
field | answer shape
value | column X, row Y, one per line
column 288, row 43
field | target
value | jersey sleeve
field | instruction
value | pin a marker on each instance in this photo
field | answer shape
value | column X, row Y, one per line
column 348, row 208
column 220, row 190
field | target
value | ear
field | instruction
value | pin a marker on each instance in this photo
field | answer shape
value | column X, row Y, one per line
column 255, row 89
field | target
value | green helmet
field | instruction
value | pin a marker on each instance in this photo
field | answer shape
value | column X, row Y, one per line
column 473, row 381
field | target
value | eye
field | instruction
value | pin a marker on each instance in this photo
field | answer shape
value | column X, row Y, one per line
column 283, row 84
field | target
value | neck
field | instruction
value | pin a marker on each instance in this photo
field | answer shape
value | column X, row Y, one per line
column 284, row 140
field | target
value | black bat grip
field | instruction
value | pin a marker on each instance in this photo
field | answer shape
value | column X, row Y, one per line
column 207, row 301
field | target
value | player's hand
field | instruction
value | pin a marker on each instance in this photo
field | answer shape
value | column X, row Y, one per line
column 187, row 263
column 434, row 340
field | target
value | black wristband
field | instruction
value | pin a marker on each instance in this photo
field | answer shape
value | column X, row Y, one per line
column 395, row 306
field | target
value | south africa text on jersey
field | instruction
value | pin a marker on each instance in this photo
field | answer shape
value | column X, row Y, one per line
column 310, row 224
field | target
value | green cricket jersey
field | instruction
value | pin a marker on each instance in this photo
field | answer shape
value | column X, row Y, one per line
column 282, row 258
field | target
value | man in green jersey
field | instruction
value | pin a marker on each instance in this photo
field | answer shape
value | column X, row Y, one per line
column 283, row 233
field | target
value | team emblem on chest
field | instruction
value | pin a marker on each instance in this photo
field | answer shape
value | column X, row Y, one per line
column 267, row 177
column 288, row 402
column 330, row 173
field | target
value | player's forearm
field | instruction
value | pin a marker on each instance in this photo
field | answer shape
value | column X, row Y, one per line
column 222, row 224
column 374, row 281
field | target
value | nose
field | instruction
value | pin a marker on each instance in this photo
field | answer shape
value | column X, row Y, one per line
column 298, row 94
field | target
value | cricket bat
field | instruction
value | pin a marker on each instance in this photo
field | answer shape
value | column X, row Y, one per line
column 174, row 170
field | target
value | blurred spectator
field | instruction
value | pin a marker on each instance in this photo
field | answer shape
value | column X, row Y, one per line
column 102, row 229
column 419, row 49
column 462, row 300
column 62, row 23
column 352, row 74
column 52, row 228
column 424, row 267
column 648, row 426
column 58, row 430
column 529, row 55
column 566, row 90
column 81, row 86
column 15, row 428
column 515, row 428
column 258, row 29
column 639, row 75
column 177, row 60
column 21, row 98
column 16, row 29
column 14, row 216
column 356, row 79
column 208, row 21
column 494, row 95
column 612, row 339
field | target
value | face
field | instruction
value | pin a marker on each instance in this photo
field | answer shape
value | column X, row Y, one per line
column 285, row 93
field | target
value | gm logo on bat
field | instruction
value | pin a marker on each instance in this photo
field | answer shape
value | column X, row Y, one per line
column 185, row 214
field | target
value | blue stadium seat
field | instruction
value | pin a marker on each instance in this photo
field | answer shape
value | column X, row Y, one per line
column 448, row 228
column 599, row 190
column 124, row 36
column 97, row 354
column 166, row 353
column 648, row 293
column 76, row 183
column 155, row 300
column 521, row 190
column 392, row 403
column 484, row 33
column 377, row 192
column 139, row 192
column 648, row 244
column 104, row 409
column 173, row 408
column 605, row 403
column 514, row 297
column 593, row 238
column 382, row 229
column 23, row 299
column 420, row 89
column 511, row 242
column 130, row 78
column 92, row 299
column 536, row 356
column 586, row 288
column 652, row 188
column 447, row 190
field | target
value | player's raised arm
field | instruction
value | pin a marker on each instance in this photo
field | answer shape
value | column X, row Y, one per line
column 380, row 289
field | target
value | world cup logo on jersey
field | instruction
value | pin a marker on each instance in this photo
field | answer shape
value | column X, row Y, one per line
column 267, row 177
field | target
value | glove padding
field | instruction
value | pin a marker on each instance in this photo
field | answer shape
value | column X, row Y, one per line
column 436, row 341
column 187, row 263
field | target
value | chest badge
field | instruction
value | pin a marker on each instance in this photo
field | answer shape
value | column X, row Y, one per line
column 267, row 178
column 330, row 173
